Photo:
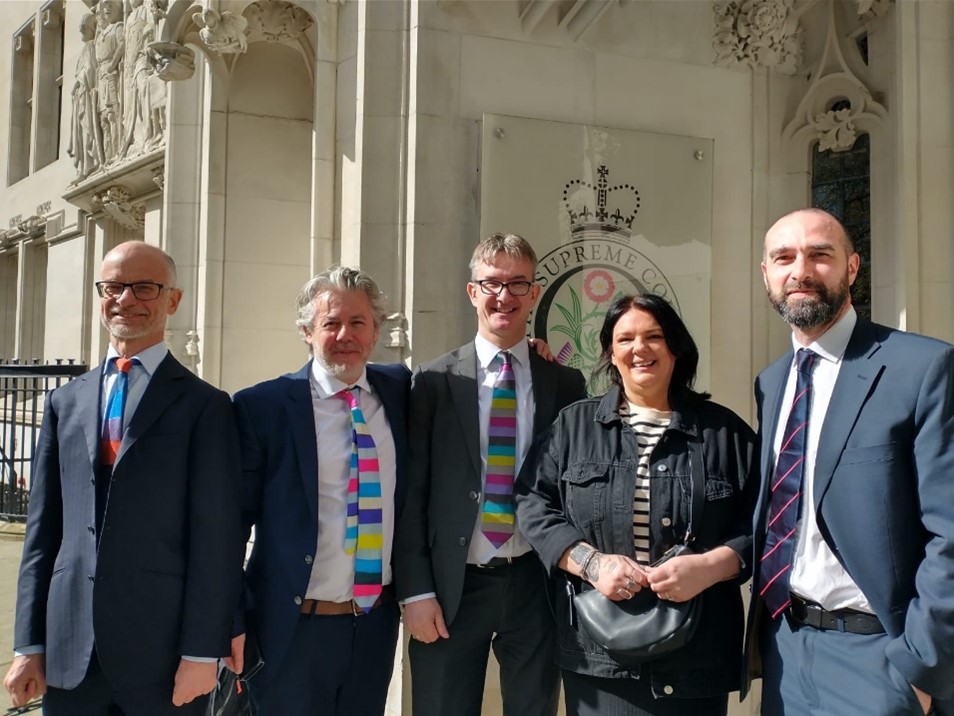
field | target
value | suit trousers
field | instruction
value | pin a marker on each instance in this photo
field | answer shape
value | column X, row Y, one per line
column 335, row 666
column 504, row 608
column 95, row 696
column 814, row 672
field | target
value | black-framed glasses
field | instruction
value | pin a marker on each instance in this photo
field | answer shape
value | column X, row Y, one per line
column 142, row 290
column 493, row 287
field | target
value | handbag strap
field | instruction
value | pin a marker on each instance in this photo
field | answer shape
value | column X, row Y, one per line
column 697, row 486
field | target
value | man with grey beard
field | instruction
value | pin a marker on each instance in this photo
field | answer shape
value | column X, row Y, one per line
column 852, row 609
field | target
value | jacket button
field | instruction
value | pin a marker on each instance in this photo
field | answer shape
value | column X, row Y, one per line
column 667, row 689
column 462, row 541
column 297, row 601
column 662, row 468
column 309, row 559
column 473, row 495
column 666, row 522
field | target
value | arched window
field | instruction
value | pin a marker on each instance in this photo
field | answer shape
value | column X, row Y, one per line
column 841, row 185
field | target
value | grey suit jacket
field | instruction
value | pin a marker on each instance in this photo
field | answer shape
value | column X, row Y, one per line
column 444, row 482
column 165, row 576
column 883, row 491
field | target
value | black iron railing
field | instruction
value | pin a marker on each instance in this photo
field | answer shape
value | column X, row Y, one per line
column 23, row 389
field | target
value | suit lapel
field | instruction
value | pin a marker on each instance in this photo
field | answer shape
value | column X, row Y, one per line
column 463, row 390
column 394, row 411
column 301, row 422
column 89, row 396
column 856, row 378
column 163, row 389
column 545, row 378
column 772, row 383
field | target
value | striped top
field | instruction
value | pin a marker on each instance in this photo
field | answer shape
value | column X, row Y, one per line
column 649, row 426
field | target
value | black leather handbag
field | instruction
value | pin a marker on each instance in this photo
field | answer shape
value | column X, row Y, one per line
column 633, row 631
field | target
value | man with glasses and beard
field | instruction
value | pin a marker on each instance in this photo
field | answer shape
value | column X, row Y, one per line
column 853, row 610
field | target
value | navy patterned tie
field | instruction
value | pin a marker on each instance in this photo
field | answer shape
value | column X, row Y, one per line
column 785, row 497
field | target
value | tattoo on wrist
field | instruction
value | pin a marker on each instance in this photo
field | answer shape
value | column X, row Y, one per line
column 592, row 571
column 580, row 553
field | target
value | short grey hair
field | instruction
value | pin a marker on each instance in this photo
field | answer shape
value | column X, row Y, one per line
column 513, row 245
column 339, row 278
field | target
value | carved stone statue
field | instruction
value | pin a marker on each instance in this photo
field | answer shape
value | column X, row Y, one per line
column 109, row 56
column 144, row 96
column 222, row 32
column 86, row 144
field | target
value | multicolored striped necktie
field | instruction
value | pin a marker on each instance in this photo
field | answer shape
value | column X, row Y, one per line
column 786, row 493
column 112, row 436
column 363, row 537
column 496, row 519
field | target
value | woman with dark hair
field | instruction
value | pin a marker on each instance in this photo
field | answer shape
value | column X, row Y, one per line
column 609, row 494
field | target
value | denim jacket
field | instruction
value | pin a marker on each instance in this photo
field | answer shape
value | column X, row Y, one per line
column 581, row 487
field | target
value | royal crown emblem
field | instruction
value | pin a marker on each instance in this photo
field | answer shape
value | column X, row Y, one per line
column 600, row 211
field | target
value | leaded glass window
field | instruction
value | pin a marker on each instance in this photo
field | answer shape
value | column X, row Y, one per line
column 841, row 185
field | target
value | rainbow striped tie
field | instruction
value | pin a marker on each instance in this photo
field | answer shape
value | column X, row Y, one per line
column 112, row 436
column 496, row 520
column 363, row 536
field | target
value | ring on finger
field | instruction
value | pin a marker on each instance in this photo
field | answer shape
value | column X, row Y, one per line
column 630, row 584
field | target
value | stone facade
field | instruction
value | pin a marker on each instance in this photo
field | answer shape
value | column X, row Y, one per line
column 261, row 141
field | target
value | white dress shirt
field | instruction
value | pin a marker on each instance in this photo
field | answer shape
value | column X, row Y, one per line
column 816, row 574
column 481, row 549
column 332, row 573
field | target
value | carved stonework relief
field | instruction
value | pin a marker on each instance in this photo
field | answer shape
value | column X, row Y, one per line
column 835, row 130
column 276, row 21
column 116, row 203
column 222, row 32
column 757, row 33
column 119, row 100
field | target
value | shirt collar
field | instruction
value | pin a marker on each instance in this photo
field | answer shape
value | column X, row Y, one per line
column 831, row 345
column 327, row 386
column 149, row 359
column 487, row 351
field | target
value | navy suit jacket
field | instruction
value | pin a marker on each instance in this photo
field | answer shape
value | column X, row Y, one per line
column 884, row 490
column 163, row 581
column 280, row 462
column 444, row 469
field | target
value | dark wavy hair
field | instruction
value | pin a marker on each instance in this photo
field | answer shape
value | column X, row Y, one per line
column 677, row 337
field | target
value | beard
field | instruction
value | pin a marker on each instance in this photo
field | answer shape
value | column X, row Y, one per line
column 807, row 313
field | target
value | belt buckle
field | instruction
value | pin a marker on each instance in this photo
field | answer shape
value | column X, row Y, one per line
column 355, row 609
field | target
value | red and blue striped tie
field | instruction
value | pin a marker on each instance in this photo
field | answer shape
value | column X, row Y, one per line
column 785, row 497
column 363, row 534
column 496, row 520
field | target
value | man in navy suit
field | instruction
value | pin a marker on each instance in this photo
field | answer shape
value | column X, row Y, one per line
column 859, row 619
column 133, row 548
column 324, row 651
column 464, row 587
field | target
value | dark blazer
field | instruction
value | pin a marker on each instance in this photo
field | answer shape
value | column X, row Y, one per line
column 164, row 579
column 280, row 462
column 444, row 484
column 884, row 491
